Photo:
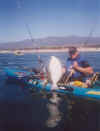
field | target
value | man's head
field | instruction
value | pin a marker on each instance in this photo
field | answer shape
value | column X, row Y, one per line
column 73, row 52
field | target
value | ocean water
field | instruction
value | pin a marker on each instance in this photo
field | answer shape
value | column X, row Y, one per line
column 21, row 109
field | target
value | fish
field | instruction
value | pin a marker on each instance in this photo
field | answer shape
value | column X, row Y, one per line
column 55, row 69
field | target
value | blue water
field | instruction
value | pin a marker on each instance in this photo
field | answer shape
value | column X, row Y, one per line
column 21, row 109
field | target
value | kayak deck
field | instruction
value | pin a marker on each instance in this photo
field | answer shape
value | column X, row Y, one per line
column 92, row 93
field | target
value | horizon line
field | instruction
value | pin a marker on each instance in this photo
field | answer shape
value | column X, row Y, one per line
column 49, row 37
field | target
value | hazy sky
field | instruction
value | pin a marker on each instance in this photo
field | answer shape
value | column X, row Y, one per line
column 48, row 18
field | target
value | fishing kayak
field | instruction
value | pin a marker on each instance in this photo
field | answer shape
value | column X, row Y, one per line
column 39, row 84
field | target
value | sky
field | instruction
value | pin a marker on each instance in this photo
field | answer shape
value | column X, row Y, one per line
column 45, row 18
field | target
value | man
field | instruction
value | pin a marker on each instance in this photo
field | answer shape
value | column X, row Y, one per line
column 79, row 68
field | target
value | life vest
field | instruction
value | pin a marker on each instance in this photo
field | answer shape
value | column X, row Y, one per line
column 77, row 75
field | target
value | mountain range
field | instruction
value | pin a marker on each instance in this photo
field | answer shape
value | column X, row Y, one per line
column 52, row 42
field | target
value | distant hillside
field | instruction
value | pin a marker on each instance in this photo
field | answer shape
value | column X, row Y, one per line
column 53, row 42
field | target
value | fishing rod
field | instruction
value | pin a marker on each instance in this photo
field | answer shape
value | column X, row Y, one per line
column 29, row 32
column 26, row 25
column 90, row 34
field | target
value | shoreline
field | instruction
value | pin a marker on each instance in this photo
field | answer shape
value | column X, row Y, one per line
column 17, row 51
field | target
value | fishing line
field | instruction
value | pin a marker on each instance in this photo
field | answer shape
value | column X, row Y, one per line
column 29, row 32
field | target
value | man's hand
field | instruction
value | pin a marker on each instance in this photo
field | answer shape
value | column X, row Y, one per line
column 71, row 69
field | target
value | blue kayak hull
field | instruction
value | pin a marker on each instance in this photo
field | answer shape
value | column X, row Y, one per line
column 91, row 93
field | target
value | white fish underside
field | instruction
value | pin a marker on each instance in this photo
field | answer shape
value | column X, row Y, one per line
column 55, row 70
